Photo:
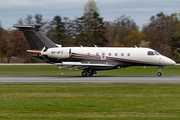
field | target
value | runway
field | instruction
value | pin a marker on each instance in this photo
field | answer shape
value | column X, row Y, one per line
column 89, row 80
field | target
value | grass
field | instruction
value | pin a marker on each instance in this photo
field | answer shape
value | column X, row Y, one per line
column 51, row 70
column 86, row 102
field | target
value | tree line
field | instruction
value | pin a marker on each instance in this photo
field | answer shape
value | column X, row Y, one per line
column 162, row 33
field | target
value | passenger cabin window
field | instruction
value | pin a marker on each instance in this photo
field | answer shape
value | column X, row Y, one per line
column 97, row 54
column 116, row 54
column 109, row 54
column 150, row 53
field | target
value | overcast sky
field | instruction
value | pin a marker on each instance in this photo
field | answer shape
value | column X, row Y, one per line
column 139, row 10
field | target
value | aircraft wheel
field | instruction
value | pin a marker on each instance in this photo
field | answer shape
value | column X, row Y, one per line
column 88, row 72
column 85, row 74
column 159, row 73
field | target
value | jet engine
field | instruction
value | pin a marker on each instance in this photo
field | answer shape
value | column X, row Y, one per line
column 59, row 53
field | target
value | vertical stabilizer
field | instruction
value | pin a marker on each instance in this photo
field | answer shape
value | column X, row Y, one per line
column 36, row 39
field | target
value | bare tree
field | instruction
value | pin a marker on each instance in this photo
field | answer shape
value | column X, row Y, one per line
column 20, row 21
column 29, row 20
column 38, row 19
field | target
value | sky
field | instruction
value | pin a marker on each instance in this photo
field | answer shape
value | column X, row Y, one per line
column 138, row 10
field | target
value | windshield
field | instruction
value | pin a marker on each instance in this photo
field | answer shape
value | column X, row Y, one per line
column 157, row 53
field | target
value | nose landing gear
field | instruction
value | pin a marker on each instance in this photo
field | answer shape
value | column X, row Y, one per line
column 159, row 71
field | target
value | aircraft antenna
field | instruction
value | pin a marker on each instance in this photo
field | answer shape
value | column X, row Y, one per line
column 135, row 46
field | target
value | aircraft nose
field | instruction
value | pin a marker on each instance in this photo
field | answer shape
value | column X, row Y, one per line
column 172, row 62
column 168, row 61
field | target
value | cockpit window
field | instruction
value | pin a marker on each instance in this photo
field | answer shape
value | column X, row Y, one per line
column 150, row 53
column 157, row 53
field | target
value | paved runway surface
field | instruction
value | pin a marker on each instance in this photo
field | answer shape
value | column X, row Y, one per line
column 88, row 80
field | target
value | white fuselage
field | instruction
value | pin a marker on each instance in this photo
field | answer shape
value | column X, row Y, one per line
column 132, row 56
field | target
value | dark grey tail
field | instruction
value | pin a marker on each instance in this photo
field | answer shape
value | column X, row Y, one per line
column 37, row 40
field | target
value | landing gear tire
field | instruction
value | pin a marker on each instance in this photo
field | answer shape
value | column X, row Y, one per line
column 159, row 73
column 85, row 74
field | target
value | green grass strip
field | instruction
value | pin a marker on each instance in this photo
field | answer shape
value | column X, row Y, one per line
column 52, row 70
column 89, row 102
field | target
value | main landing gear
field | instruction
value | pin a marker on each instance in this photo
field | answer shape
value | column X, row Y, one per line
column 88, row 72
column 159, row 71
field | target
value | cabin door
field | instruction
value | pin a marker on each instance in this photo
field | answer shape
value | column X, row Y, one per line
column 103, row 55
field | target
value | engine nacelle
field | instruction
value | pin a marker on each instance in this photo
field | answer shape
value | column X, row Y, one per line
column 59, row 53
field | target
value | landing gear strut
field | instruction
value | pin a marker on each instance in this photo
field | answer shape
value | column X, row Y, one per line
column 88, row 72
column 159, row 71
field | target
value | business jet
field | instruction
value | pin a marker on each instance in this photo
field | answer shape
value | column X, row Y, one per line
column 90, row 59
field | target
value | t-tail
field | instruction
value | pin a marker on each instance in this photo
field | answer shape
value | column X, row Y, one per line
column 37, row 40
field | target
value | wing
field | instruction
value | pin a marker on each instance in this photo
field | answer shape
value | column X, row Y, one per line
column 79, row 65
